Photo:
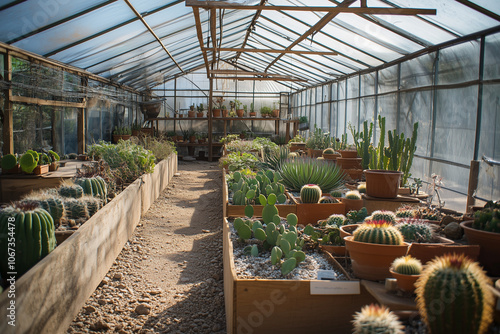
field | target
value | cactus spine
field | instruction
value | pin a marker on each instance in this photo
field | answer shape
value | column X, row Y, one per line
column 453, row 296
column 407, row 265
column 386, row 215
column 328, row 151
column 378, row 232
column 327, row 199
column 415, row 230
column 310, row 193
column 336, row 219
column 76, row 209
column 33, row 233
column 376, row 319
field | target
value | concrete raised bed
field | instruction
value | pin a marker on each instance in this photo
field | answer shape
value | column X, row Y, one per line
column 50, row 295
column 284, row 306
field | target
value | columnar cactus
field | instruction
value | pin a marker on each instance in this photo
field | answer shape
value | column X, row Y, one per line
column 71, row 191
column 453, row 296
column 386, row 215
column 415, row 230
column 378, row 232
column 407, row 265
column 32, row 228
column 310, row 193
column 376, row 319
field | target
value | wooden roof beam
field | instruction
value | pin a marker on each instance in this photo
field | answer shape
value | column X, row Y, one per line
column 199, row 31
column 243, row 50
column 260, row 79
column 250, row 28
column 213, row 31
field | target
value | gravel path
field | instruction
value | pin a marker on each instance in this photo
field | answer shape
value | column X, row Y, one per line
column 168, row 277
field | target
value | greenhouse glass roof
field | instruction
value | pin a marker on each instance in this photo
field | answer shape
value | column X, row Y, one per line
column 119, row 39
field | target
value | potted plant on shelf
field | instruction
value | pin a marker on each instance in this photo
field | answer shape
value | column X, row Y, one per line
column 9, row 164
column 192, row 136
column 352, row 201
column 122, row 133
column 199, row 114
column 327, row 234
column 252, row 112
column 275, row 112
column 54, row 161
column 317, row 142
column 240, row 112
column 216, row 110
column 28, row 161
column 303, row 123
column 244, row 109
column 265, row 111
column 202, row 137
column 330, row 154
column 373, row 247
column 484, row 231
column 42, row 165
column 224, row 111
column 136, row 128
column 191, row 111
column 406, row 270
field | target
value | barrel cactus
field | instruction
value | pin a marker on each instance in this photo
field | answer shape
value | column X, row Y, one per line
column 94, row 186
column 31, row 228
column 376, row 319
column 362, row 188
column 327, row 199
column 336, row 219
column 328, row 151
column 336, row 194
column 415, row 230
column 71, row 190
column 353, row 194
column 378, row 232
column 386, row 215
column 453, row 296
column 405, row 212
column 52, row 204
column 76, row 209
column 92, row 203
column 407, row 265
column 310, row 193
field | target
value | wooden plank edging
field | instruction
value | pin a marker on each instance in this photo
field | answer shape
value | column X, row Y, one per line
column 50, row 295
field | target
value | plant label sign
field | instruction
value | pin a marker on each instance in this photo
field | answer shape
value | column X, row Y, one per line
column 329, row 287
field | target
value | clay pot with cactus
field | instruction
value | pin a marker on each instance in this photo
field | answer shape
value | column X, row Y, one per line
column 406, row 270
column 373, row 247
column 352, row 201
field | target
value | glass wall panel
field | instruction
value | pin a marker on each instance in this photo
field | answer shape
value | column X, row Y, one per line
column 459, row 63
column 388, row 79
column 353, row 87
column 491, row 52
column 367, row 84
column 417, row 107
column 418, row 72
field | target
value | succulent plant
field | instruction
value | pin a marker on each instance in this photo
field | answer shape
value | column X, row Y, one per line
column 51, row 203
column 327, row 199
column 310, row 193
column 354, row 216
column 336, row 194
column 378, row 232
column 429, row 214
column 75, row 209
column 488, row 219
column 386, row 215
column 298, row 172
column 407, row 265
column 336, row 219
column 28, row 162
column 247, row 189
column 415, row 230
column 453, row 296
column 92, row 203
column 71, row 190
column 94, row 186
column 353, row 194
column 376, row 319
column 33, row 228
column 405, row 212
column 329, row 151
column 362, row 188
column 9, row 161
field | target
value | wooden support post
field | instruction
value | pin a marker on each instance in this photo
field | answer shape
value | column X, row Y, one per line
column 473, row 181
column 8, row 125
column 81, row 121
column 209, row 115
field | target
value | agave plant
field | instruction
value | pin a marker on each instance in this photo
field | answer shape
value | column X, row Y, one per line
column 274, row 159
column 300, row 171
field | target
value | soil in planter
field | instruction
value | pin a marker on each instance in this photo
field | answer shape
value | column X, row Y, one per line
column 168, row 277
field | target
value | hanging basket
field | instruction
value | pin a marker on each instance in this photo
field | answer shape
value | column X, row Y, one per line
column 151, row 109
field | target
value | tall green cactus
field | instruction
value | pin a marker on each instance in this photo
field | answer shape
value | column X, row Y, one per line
column 362, row 140
column 378, row 232
column 408, row 153
column 453, row 296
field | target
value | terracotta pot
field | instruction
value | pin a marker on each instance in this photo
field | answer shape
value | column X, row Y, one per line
column 192, row 139
column 346, row 230
column 334, row 250
column 490, row 247
column 425, row 252
column 201, row 141
column 147, row 131
column 349, row 163
column 333, row 156
column 199, row 114
column 225, row 112
column 405, row 282
column 252, row 114
column 295, row 146
column 352, row 204
column 216, row 112
column 372, row 261
column 382, row 183
column 181, row 115
column 275, row 113
column 314, row 153
column 15, row 170
column 116, row 138
column 53, row 166
column 240, row 112
column 349, row 154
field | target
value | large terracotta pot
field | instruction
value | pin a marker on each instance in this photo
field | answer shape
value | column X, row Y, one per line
column 490, row 247
column 352, row 204
column 216, row 112
column 295, row 146
column 372, row 261
column 349, row 163
column 349, row 153
column 275, row 113
column 199, row 114
column 334, row 250
column 191, row 113
column 382, row 183
column 425, row 252
column 314, row 153
column 225, row 112
column 405, row 282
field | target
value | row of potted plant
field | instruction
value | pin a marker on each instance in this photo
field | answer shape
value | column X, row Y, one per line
column 31, row 162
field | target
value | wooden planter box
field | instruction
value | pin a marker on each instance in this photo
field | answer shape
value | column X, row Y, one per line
column 50, row 295
column 41, row 169
column 287, row 306
column 230, row 210
column 310, row 213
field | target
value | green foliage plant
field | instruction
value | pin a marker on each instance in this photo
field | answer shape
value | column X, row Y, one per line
column 319, row 140
column 9, row 161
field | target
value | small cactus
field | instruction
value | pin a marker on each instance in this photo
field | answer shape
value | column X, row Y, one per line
column 487, row 220
column 453, row 296
column 353, row 194
column 378, row 232
column 415, row 230
column 71, row 191
column 386, row 215
column 362, row 188
column 336, row 219
column 310, row 193
column 405, row 212
column 328, row 151
column 376, row 319
column 327, row 199
column 407, row 265
column 93, row 204
column 75, row 209
column 336, row 194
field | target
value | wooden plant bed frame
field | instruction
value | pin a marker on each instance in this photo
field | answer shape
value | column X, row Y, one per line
column 230, row 210
column 284, row 306
column 310, row 213
column 50, row 295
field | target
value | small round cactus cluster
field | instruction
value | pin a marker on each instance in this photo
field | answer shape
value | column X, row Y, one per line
column 336, row 194
column 310, row 193
column 378, row 232
column 327, row 199
column 415, row 230
column 328, row 151
column 71, row 191
column 336, row 219
column 386, row 215
column 405, row 212
column 362, row 188
column 353, row 194
column 407, row 265
column 453, row 287
column 376, row 319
